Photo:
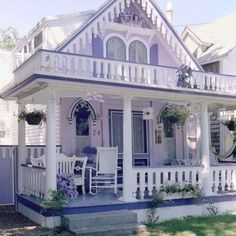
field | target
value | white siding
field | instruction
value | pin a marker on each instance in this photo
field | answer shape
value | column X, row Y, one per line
column 36, row 135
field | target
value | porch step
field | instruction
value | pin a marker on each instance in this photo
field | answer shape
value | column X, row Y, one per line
column 115, row 223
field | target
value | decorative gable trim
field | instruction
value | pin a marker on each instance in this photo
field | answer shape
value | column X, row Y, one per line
column 160, row 23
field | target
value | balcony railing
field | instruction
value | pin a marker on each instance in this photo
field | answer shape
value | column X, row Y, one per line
column 85, row 67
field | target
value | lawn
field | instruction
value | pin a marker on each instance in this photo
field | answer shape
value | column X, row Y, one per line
column 221, row 225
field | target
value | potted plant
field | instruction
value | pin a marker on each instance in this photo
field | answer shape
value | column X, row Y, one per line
column 172, row 191
column 175, row 114
column 35, row 117
column 90, row 152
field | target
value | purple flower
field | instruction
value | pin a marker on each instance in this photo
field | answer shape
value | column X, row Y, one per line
column 66, row 186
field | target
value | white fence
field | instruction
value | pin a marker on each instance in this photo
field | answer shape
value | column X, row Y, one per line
column 7, row 175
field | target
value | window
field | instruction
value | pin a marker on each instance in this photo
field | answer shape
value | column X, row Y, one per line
column 2, row 129
column 82, row 122
column 137, row 52
column 139, row 132
column 116, row 49
column 38, row 40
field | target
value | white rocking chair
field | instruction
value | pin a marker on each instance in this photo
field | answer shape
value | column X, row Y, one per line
column 106, row 170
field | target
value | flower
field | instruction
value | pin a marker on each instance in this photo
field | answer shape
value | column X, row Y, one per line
column 66, row 186
column 89, row 150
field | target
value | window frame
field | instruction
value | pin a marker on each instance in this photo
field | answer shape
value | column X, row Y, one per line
column 146, row 132
column 136, row 55
column 125, row 48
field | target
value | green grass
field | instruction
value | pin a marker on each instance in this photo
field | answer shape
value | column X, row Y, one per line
column 222, row 225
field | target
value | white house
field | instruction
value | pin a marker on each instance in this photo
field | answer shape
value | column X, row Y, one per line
column 106, row 78
column 213, row 44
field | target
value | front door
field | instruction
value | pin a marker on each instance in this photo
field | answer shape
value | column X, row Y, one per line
column 170, row 143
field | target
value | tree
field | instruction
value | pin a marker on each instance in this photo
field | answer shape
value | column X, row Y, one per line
column 8, row 38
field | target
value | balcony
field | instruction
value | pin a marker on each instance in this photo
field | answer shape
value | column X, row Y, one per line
column 68, row 65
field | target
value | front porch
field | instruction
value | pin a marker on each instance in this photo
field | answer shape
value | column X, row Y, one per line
column 117, row 99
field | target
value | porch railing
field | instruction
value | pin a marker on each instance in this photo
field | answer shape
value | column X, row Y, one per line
column 85, row 67
column 223, row 179
column 147, row 180
column 34, row 179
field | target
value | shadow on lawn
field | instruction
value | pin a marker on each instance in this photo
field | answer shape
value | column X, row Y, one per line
column 199, row 226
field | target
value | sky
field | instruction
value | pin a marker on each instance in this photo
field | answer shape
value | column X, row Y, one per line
column 24, row 14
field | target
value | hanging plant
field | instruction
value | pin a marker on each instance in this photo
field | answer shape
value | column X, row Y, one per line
column 35, row 117
column 175, row 114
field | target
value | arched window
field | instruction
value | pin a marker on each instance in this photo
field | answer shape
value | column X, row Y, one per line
column 116, row 49
column 137, row 52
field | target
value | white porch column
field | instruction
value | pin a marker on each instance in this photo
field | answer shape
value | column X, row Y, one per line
column 127, row 150
column 51, row 179
column 205, row 151
column 21, row 149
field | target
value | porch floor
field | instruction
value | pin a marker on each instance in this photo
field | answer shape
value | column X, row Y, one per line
column 103, row 197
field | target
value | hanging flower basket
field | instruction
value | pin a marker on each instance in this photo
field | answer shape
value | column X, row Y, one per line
column 175, row 114
column 35, row 117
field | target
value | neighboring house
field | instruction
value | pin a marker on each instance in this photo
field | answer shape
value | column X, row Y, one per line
column 112, row 74
column 214, row 46
column 8, row 109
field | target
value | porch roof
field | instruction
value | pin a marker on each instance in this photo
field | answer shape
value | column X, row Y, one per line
column 36, row 86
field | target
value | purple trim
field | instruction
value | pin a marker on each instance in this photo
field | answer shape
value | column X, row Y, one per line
column 154, row 55
column 123, row 206
column 33, row 167
column 97, row 47
column 39, row 146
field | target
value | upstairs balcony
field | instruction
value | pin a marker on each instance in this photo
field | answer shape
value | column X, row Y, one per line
column 68, row 65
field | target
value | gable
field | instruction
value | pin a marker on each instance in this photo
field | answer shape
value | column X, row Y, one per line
column 111, row 13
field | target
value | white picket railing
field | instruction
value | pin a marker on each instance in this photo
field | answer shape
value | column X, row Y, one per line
column 34, row 181
column 34, row 177
column 223, row 179
column 147, row 180
column 85, row 67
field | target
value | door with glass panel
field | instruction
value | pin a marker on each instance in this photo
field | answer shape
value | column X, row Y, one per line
column 140, row 146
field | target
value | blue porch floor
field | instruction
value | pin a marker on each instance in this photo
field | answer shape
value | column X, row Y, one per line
column 103, row 197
